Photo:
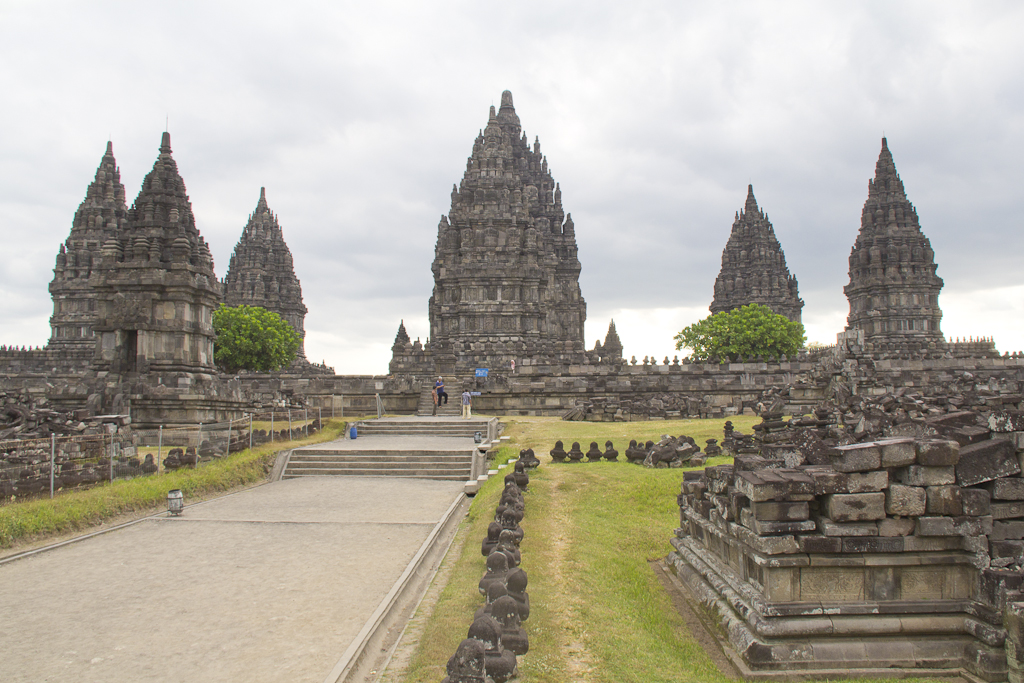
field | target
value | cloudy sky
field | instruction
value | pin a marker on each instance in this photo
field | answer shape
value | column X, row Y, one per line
column 358, row 118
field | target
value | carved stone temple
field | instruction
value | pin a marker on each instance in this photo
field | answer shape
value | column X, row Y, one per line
column 261, row 272
column 893, row 290
column 506, row 272
column 754, row 268
column 102, row 214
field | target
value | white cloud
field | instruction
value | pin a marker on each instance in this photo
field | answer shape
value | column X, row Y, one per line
column 358, row 118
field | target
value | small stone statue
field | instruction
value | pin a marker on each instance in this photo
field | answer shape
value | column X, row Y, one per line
column 494, row 591
column 529, row 458
column 500, row 664
column 468, row 664
column 507, row 545
column 489, row 543
column 506, row 612
column 635, row 453
column 594, row 454
column 521, row 477
column 515, row 586
column 610, row 454
column 575, row 454
column 712, row 449
column 497, row 568
column 558, row 452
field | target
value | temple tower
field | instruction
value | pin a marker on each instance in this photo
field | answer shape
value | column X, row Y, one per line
column 155, row 286
column 754, row 268
column 611, row 350
column 893, row 290
column 101, row 214
column 261, row 272
column 506, row 272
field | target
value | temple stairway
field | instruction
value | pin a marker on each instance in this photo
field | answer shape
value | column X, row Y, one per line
column 419, row 447
column 426, row 404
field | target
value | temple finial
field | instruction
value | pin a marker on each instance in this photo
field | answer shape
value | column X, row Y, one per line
column 165, row 143
column 110, row 147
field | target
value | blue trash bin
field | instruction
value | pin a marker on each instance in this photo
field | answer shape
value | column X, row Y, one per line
column 352, row 432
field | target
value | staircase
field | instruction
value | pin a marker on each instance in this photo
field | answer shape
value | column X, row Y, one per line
column 426, row 405
column 420, row 464
column 424, row 448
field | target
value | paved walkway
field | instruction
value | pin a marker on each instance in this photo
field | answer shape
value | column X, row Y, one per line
column 270, row 584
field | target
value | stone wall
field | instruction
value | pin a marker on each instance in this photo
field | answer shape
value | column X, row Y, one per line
column 896, row 553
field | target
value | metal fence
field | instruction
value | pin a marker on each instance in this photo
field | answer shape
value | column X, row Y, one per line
column 41, row 467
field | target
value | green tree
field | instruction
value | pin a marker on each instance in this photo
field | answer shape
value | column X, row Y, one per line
column 752, row 330
column 252, row 338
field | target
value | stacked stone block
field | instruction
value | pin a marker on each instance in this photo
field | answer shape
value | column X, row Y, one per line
column 924, row 533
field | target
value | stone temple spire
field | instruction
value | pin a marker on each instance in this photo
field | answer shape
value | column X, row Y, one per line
column 893, row 290
column 612, row 347
column 754, row 268
column 261, row 272
column 100, row 216
column 155, row 285
column 506, row 272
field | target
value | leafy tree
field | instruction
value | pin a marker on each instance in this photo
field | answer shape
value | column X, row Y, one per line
column 752, row 330
column 252, row 338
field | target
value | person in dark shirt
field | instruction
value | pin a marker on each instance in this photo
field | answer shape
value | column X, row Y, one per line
column 439, row 388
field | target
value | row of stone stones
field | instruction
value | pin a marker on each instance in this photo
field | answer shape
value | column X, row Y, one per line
column 887, row 489
column 497, row 635
column 667, row 452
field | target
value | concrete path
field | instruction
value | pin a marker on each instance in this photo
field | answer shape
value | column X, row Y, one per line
column 270, row 584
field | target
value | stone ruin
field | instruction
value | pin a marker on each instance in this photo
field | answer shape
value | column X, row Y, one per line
column 261, row 272
column 883, row 534
column 497, row 637
column 754, row 267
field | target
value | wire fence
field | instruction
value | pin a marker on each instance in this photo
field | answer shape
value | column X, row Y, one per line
column 45, row 467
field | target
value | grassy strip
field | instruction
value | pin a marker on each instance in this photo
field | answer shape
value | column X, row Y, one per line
column 75, row 510
column 598, row 611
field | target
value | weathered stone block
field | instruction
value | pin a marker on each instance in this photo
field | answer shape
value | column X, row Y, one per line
column 1008, row 510
column 858, row 457
column 855, row 507
column 866, row 482
column 985, row 461
column 873, row 544
column 1006, row 421
column 1007, row 530
column 1006, row 549
column 783, row 528
column 898, row 452
column 937, row 453
column 890, row 526
column 765, row 485
column 918, row 475
column 905, row 501
column 773, row 511
column 944, row 500
column 830, row 528
column 819, row 544
column 976, row 502
column 954, row 526
column 1011, row 488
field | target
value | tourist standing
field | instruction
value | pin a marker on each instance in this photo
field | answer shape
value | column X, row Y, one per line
column 467, row 404
column 439, row 388
column 513, row 365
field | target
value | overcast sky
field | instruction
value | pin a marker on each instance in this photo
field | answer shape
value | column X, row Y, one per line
column 654, row 116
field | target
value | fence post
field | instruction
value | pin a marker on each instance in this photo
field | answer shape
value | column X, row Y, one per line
column 332, row 406
column 271, row 426
column 227, row 451
column 199, row 442
column 53, row 457
column 159, row 448
column 290, row 437
column 320, row 416
column 343, row 405
column 305, row 421
column 250, row 431
column 112, row 454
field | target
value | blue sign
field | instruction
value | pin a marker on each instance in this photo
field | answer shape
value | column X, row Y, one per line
column 474, row 393
column 481, row 372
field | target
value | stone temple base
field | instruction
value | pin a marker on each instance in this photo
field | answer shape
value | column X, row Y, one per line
column 822, row 616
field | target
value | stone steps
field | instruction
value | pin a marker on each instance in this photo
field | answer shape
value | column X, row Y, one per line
column 426, row 404
column 422, row 465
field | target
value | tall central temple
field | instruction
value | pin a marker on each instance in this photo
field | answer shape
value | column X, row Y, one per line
column 506, row 272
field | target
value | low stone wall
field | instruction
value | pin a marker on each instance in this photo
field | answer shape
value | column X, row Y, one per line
column 897, row 553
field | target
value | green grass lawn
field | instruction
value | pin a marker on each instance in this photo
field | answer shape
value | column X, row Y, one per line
column 81, row 509
column 598, row 612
